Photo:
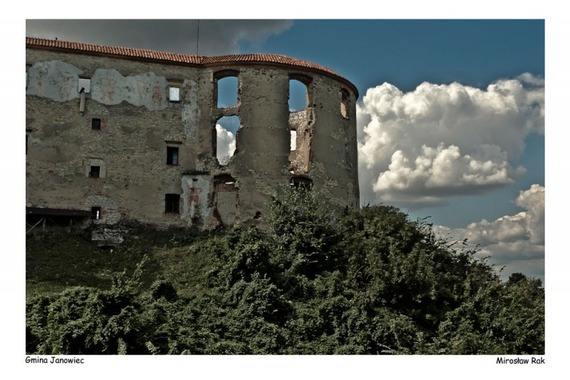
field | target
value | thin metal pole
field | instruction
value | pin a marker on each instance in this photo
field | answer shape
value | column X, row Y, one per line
column 198, row 38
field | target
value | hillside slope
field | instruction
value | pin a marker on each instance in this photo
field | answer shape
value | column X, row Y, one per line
column 311, row 281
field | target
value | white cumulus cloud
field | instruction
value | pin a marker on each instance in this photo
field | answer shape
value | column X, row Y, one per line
column 226, row 145
column 418, row 147
column 514, row 241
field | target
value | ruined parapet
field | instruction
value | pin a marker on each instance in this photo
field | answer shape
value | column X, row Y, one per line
column 131, row 134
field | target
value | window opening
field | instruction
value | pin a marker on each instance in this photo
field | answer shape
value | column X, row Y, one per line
column 298, row 95
column 172, row 155
column 293, row 140
column 96, row 213
column 174, row 94
column 301, row 182
column 300, row 123
column 227, row 91
column 95, row 171
column 225, row 182
column 226, row 132
column 172, row 203
column 225, row 198
column 344, row 102
column 96, row 123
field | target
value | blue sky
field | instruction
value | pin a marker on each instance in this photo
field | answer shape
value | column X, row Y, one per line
column 406, row 53
column 475, row 53
column 458, row 152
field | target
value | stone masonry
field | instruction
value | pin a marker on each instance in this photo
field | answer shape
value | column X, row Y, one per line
column 130, row 134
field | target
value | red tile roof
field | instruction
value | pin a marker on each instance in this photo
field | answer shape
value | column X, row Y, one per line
column 178, row 58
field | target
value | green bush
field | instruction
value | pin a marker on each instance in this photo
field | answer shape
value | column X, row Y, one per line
column 312, row 280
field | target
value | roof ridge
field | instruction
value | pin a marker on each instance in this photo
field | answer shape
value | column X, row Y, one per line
column 181, row 58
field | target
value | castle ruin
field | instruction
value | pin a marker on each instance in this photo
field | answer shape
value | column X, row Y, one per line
column 117, row 134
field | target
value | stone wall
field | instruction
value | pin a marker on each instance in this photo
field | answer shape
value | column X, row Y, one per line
column 103, row 132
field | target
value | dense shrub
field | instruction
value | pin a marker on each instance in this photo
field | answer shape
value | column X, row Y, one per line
column 313, row 280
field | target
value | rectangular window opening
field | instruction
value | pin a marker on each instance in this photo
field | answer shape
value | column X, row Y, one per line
column 95, row 172
column 96, row 213
column 227, row 89
column 172, row 203
column 293, row 145
column 174, row 94
column 96, row 123
column 172, row 155
column 301, row 182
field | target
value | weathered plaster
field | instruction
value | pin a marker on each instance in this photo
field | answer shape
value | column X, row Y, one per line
column 196, row 204
column 226, row 200
column 139, row 122
column 54, row 80
column 109, row 87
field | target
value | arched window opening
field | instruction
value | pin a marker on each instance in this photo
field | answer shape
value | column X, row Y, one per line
column 300, row 123
column 227, row 89
column 225, row 138
column 298, row 95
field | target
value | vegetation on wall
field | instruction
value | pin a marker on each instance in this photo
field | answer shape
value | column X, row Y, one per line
column 311, row 281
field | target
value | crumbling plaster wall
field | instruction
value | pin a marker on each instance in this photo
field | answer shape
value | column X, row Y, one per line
column 302, row 123
column 139, row 122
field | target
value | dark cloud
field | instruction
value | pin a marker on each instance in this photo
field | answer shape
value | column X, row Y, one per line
column 217, row 37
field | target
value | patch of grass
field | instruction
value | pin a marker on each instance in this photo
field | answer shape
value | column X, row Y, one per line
column 59, row 260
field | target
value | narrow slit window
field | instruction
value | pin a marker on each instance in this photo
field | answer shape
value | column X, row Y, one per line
column 172, row 203
column 172, row 155
column 344, row 103
column 96, row 213
column 293, row 140
column 94, row 171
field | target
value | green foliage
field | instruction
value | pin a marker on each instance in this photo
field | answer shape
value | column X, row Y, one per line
column 58, row 260
column 311, row 281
